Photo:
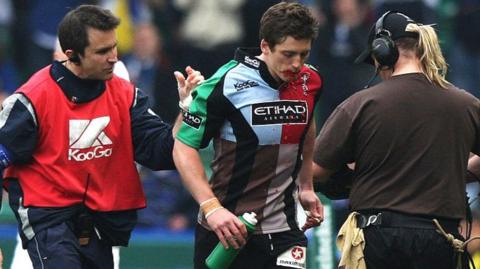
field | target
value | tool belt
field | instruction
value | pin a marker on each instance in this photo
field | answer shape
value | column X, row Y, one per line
column 396, row 219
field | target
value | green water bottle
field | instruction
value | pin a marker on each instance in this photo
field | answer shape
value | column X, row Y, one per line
column 221, row 258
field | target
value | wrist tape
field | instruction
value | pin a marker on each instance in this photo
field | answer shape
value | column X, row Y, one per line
column 185, row 103
column 209, row 206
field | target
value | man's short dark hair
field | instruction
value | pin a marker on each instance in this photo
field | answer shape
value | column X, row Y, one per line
column 72, row 30
column 287, row 19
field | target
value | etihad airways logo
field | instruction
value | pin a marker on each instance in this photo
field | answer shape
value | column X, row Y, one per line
column 280, row 112
column 192, row 120
column 87, row 139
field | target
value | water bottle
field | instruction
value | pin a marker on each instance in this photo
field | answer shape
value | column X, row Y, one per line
column 221, row 258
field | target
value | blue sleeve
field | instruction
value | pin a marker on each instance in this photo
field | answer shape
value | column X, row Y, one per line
column 18, row 130
column 18, row 133
column 152, row 137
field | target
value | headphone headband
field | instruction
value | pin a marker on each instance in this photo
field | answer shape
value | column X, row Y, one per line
column 379, row 24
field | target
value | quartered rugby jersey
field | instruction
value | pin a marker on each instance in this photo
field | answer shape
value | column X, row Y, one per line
column 258, row 127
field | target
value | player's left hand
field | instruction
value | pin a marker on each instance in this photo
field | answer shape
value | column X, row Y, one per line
column 313, row 208
column 186, row 85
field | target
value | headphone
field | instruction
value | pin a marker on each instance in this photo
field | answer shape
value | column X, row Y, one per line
column 74, row 59
column 383, row 48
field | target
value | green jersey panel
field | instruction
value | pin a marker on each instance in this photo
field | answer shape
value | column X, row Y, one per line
column 206, row 109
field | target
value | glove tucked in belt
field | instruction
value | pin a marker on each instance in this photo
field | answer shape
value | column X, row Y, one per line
column 84, row 228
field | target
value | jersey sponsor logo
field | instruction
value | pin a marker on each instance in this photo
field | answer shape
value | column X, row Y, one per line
column 293, row 257
column 253, row 62
column 279, row 112
column 87, row 139
column 192, row 120
column 245, row 85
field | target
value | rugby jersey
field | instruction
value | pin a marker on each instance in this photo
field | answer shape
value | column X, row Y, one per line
column 258, row 126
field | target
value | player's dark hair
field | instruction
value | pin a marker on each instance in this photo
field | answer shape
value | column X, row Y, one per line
column 287, row 19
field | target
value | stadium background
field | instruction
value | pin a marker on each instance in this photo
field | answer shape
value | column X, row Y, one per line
column 157, row 37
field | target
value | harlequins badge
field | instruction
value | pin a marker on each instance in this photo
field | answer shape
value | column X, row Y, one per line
column 305, row 77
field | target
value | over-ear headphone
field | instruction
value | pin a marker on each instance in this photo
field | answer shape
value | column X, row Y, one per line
column 383, row 48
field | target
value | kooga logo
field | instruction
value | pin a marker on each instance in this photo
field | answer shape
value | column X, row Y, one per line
column 245, row 85
column 253, row 62
column 88, row 139
column 279, row 112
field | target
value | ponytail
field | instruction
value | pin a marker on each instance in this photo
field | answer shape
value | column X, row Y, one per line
column 428, row 50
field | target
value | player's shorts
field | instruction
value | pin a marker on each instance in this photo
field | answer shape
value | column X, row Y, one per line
column 263, row 251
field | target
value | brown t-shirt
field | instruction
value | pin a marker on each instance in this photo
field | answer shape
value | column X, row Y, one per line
column 410, row 141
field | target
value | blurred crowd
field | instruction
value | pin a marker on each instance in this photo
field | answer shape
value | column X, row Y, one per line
column 157, row 37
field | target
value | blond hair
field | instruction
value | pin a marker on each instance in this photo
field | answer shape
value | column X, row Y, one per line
column 428, row 50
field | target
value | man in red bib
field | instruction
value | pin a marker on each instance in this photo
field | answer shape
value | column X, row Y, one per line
column 69, row 140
